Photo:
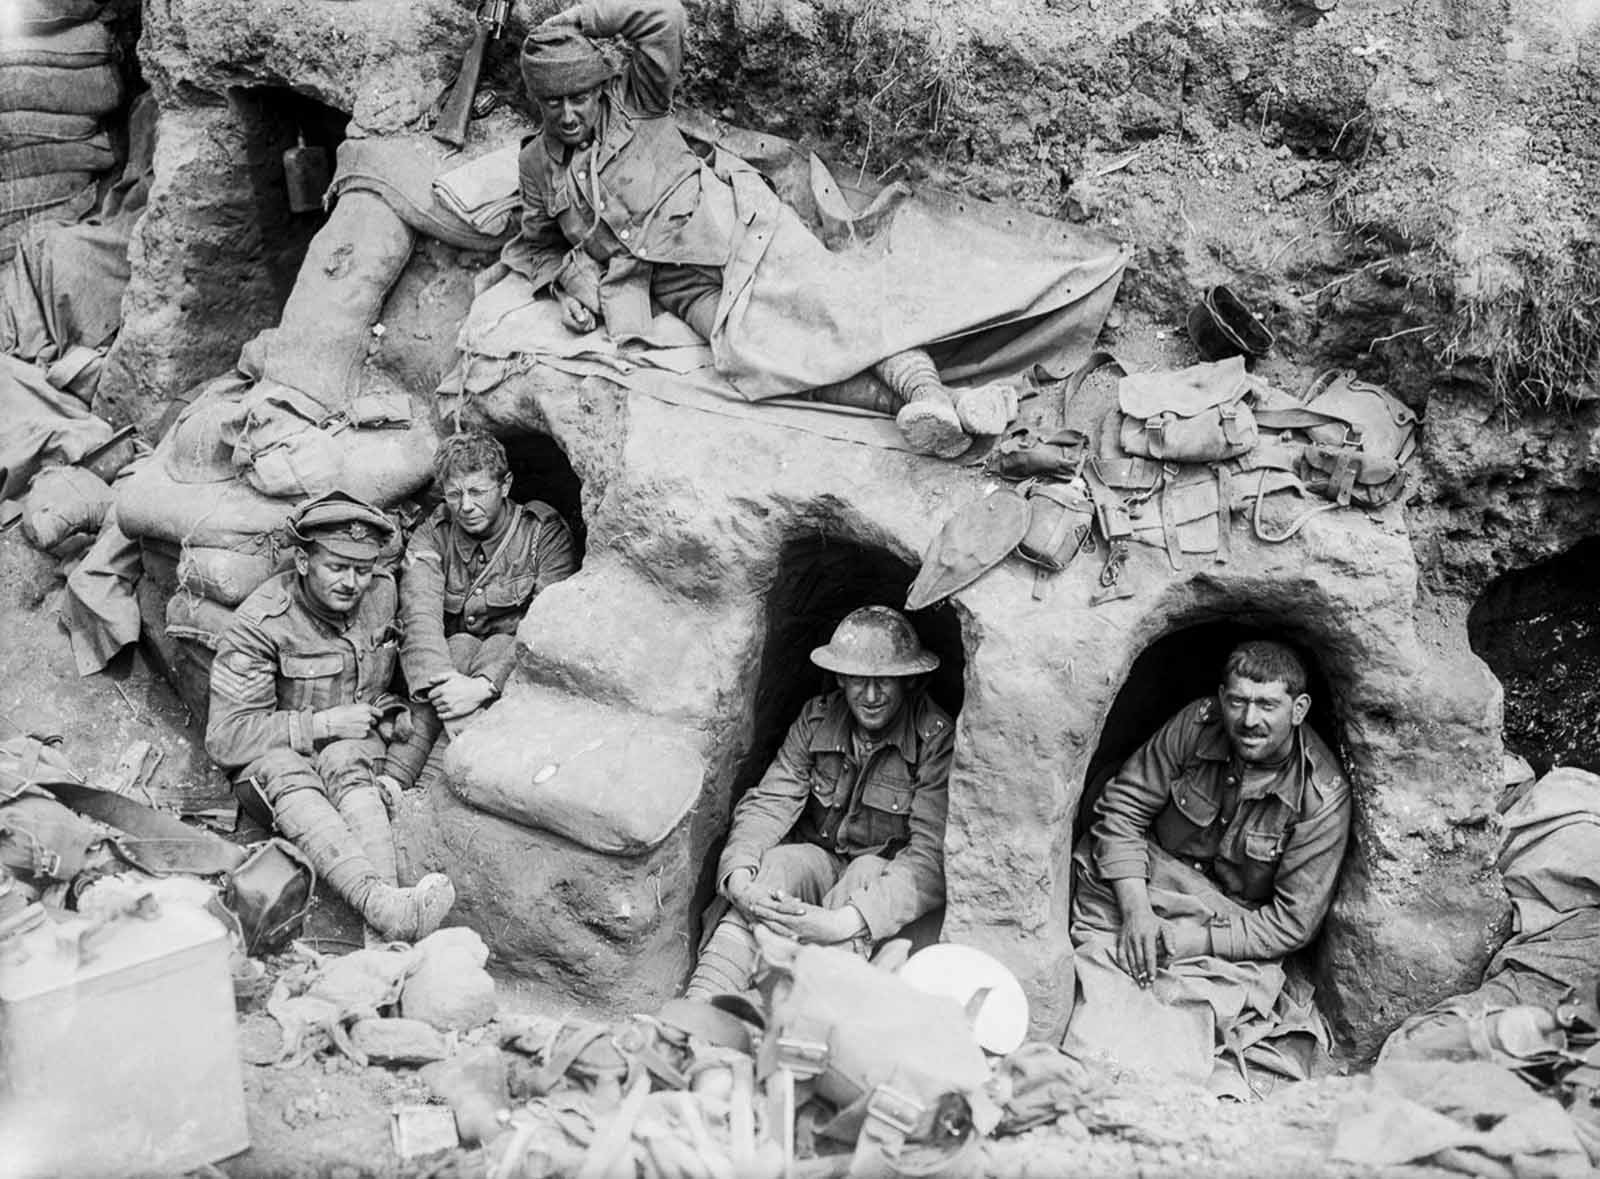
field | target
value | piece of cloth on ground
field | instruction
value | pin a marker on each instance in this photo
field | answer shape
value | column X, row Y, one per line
column 64, row 289
column 43, row 426
column 1237, row 1027
column 100, row 608
column 483, row 191
column 1550, row 862
column 1466, row 1116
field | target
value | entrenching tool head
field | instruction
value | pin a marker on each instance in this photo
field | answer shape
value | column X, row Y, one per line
column 972, row 542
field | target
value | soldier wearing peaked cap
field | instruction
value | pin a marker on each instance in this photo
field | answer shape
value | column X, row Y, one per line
column 842, row 840
column 298, row 694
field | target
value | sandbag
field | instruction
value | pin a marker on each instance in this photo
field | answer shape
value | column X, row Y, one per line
column 198, row 619
column 63, row 502
column 320, row 343
column 280, row 449
column 230, row 515
column 42, row 159
column 449, row 987
column 30, row 194
column 227, row 576
column 611, row 781
column 25, row 128
column 34, row 16
column 91, row 90
column 198, row 446
column 379, row 465
column 73, row 48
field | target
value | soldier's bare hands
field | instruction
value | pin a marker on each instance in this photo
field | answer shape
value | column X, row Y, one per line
column 575, row 315
column 806, row 922
column 1138, row 945
column 457, row 696
column 347, row 722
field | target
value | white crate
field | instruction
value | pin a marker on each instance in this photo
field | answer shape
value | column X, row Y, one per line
column 126, row 1062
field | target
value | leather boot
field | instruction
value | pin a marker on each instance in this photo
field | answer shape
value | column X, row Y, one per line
column 987, row 409
column 398, row 914
column 927, row 419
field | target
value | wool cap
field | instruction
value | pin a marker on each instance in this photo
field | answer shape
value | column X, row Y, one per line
column 558, row 60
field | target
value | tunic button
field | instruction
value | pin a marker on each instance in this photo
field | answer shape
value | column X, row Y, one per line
column 582, row 175
column 623, row 235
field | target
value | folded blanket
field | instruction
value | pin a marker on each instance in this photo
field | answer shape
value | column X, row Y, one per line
column 484, row 191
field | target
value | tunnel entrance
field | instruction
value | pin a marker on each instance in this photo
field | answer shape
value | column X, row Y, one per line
column 1538, row 629
column 818, row 582
column 273, row 120
column 541, row 470
column 1175, row 669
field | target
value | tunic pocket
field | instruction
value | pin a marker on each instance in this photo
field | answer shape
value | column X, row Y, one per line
column 1195, row 805
column 1263, row 847
column 321, row 666
column 506, row 593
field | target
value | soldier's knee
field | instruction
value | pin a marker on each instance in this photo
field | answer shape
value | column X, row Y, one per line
column 281, row 772
column 347, row 766
column 464, row 650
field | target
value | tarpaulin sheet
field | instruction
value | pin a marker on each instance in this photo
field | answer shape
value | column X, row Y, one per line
column 813, row 298
column 1237, row 1026
column 510, row 328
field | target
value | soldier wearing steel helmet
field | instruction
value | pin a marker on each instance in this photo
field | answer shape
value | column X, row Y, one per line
column 842, row 840
column 298, row 690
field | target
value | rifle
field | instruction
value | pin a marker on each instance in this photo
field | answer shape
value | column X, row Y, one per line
column 451, row 125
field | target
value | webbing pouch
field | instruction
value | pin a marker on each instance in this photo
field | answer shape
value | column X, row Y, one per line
column 1060, row 521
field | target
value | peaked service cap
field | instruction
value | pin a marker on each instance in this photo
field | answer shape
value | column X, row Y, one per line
column 343, row 525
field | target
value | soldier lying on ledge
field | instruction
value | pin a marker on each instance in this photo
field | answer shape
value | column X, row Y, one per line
column 1220, row 838
column 297, row 694
column 842, row 840
column 471, row 570
column 616, row 209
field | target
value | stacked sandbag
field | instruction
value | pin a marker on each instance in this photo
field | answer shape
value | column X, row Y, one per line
column 62, row 503
column 303, row 414
column 58, row 81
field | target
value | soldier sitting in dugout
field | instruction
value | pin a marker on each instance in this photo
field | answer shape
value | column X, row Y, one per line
column 301, row 713
column 842, row 840
column 470, row 572
column 1224, row 833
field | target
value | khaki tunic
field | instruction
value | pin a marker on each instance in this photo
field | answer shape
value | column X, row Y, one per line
column 441, row 596
column 280, row 661
column 1278, row 852
column 892, row 806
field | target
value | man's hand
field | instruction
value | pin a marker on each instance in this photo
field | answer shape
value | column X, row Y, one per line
column 575, row 315
column 347, row 722
column 1139, row 942
column 1139, row 945
column 740, row 883
column 457, row 696
column 807, row 923
column 485, row 279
